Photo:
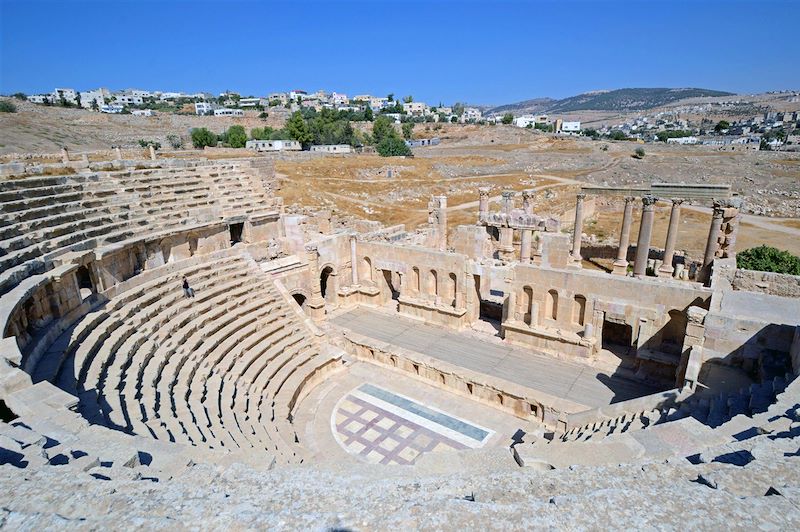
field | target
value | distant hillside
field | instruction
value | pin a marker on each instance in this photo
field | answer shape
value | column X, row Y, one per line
column 615, row 100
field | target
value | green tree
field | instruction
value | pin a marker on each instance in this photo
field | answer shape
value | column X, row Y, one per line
column 390, row 97
column 589, row 132
column 638, row 153
column 408, row 99
column 7, row 107
column 458, row 108
column 237, row 137
column 382, row 128
column 175, row 141
column 298, row 129
column 263, row 115
column 368, row 116
column 19, row 96
column 618, row 135
column 392, row 147
column 408, row 130
column 507, row 118
column 202, row 137
column 721, row 125
column 95, row 105
column 453, row 119
column 768, row 259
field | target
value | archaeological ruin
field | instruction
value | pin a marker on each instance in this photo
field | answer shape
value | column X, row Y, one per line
column 324, row 373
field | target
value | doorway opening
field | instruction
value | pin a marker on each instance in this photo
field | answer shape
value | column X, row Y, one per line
column 236, row 230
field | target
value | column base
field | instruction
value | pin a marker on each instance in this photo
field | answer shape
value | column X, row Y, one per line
column 665, row 271
column 620, row 267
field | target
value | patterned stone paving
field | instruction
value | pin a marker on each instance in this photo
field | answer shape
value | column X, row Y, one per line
column 386, row 428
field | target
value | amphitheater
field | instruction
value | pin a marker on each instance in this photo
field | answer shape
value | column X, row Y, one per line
column 336, row 375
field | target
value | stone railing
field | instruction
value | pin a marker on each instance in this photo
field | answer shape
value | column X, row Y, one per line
column 515, row 399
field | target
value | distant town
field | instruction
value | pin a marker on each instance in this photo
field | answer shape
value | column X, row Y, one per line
column 770, row 130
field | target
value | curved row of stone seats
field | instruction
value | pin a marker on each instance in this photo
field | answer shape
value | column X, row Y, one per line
column 221, row 370
column 712, row 411
column 41, row 218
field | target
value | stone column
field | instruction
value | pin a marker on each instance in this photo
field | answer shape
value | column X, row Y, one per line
column 506, row 249
column 577, row 231
column 666, row 268
column 64, row 155
column 645, row 233
column 621, row 264
column 442, row 222
column 118, row 153
column 525, row 246
column 527, row 201
column 483, row 203
column 507, row 201
column 316, row 304
column 511, row 309
column 712, row 243
column 152, row 153
column 353, row 260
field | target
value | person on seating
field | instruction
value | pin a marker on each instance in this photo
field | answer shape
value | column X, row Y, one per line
column 187, row 290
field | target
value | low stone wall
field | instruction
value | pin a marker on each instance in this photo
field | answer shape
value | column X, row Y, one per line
column 517, row 400
column 775, row 284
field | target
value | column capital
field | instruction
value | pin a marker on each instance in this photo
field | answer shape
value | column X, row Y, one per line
column 630, row 199
column 649, row 200
column 580, row 196
column 483, row 191
column 507, row 194
column 677, row 201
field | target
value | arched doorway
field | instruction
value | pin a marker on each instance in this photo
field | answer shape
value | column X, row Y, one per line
column 324, row 276
column 300, row 299
column 85, row 284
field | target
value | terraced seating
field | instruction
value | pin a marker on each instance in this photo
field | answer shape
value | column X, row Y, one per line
column 222, row 370
column 43, row 217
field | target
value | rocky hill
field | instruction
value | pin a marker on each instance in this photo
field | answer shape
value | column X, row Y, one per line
column 614, row 100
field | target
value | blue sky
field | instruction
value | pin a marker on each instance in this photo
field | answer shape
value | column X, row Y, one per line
column 478, row 52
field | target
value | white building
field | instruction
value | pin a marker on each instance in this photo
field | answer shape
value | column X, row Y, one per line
column 395, row 116
column 570, row 128
column 278, row 97
column 252, row 102
column 471, row 114
column 205, row 108
column 416, row 109
column 295, row 93
column 339, row 99
column 69, row 95
column 172, row 95
column 142, row 112
column 525, row 121
column 376, row 104
column 228, row 112
column 113, row 109
column 98, row 95
column 40, row 98
column 332, row 148
column 128, row 99
column 273, row 145
column 682, row 140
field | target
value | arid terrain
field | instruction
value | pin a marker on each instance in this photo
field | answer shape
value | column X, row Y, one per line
column 397, row 190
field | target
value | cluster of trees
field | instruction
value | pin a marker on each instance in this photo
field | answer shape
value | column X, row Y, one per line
column 386, row 139
column 768, row 259
column 325, row 127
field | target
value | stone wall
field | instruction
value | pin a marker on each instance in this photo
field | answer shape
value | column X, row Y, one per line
column 776, row 284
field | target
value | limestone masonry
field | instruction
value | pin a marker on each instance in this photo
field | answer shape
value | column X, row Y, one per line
column 180, row 352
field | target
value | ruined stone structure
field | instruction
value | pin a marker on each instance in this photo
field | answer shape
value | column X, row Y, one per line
column 111, row 373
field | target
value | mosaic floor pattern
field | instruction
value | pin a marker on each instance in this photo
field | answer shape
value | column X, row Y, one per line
column 386, row 428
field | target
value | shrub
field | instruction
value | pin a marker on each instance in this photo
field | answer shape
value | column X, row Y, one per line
column 7, row 107
column 175, row 141
column 507, row 118
column 408, row 130
column 768, row 259
column 202, row 137
column 237, row 136
column 638, row 153
column 145, row 143
column 392, row 146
